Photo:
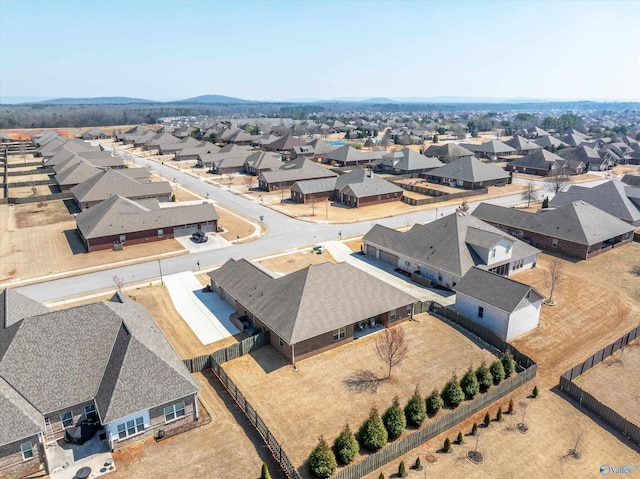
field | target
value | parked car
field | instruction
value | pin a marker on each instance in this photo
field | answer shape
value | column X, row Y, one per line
column 199, row 237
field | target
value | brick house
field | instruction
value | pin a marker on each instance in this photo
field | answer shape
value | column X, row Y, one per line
column 312, row 310
column 106, row 360
column 468, row 172
column 576, row 229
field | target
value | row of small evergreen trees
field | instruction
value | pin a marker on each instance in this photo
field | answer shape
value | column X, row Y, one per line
column 377, row 430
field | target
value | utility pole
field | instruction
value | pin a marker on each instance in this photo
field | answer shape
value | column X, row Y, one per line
column 160, row 267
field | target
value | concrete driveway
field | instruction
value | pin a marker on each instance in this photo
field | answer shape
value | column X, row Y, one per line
column 214, row 242
column 206, row 314
column 385, row 272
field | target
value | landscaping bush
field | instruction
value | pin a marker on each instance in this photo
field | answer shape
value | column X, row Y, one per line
column 510, row 408
column 469, row 384
column 372, row 433
column 418, row 465
column 460, row 438
column 322, row 461
column 381, row 476
column 346, row 445
column 415, row 411
column 265, row 472
column 535, row 392
column 447, row 445
column 499, row 414
column 484, row 377
column 474, row 428
column 433, row 402
column 487, row 420
column 402, row 469
column 452, row 393
column 393, row 419
column 173, row 198
column 497, row 371
column 508, row 364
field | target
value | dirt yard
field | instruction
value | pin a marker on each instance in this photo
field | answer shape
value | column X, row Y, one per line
column 293, row 262
column 597, row 302
column 615, row 381
column 350, row 380
column 226, row 447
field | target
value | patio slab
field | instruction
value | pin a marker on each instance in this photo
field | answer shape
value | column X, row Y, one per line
column 66, row 459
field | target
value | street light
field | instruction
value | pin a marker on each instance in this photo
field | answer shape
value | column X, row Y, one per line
column 161, row 280
column 340, row 235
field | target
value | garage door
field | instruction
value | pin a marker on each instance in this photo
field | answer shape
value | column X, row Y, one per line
column 372, row 251
column 392, row 259
column 207, row 228
column 186, row 231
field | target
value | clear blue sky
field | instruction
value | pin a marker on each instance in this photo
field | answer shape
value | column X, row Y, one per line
column 273, row 50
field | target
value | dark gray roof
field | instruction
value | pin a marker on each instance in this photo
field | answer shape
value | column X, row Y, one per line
column 118, row 215
column 498, row 291
column 112, row 352
column 632, row 180
column 76, row 173
column 448, row 150
column 14, row 307
column 548, row 140
column 610, row 197
column 362, row 184
column 313, row 301
column 583, row 153
column 446, row 243
column 522, row 144
column 18, row 418
column 285, row 143
column 539, row 159
column 577, row 222
column 469, row 168
column 310, row 187
column 491, row 147
column 296, row 170
column 410, row 160
column 65, row 154
column 261, row 160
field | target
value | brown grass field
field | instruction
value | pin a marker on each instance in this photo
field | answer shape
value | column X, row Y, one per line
column 293, row 262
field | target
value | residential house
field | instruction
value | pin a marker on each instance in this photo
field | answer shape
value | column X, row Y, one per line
column 505, row 306
column 347, row 155
column 124, row 221
column 52, row 147
column 261, row 161
column 94, row 134
column 355, row 189
column 548, row 141
column 284, row 144
column 4, row 138
column 106, row 360
column 445, row 250
column 120, row 182
column 523, row 146
column 541, row 162
column 296, row 170
column 408, row 162
column 576, row 229
column 196, row 152
column 492, row 149
column 162, row 138
column 64, row 155
column 312, row 310
column 610, row 197
column 230, row 159
column 468, row 172
column 447, row 152
column 321, row 149
column 587, row 156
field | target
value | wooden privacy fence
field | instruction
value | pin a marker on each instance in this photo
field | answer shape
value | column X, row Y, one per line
column 411, row 441
column 35, row 199
column 234, row 351
column 621, row 424
column 441, row 196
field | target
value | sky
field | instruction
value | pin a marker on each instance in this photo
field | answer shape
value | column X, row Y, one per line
column 320, row 49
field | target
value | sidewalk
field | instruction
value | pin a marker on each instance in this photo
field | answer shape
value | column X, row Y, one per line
column 385, row 272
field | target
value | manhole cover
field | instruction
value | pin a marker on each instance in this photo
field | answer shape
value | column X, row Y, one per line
column 573, row 453
column 522, row 427
column 475, row 457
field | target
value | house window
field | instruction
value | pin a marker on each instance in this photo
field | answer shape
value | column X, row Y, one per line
column 27, row 450
column 280, row 342
column 339, row 334
column 160, row 233
column 493, row 253
column 379, row 197
column 123, row 239
column 480, row 311
column 129, row 428
column 392, row 315
column 173, row 412
column 89, row 410
column 439, row 276
column 66, row 419
column 408, row 309
column 554, row 243
column 508, row 247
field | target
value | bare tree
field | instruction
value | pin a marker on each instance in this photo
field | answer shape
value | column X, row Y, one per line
column 554, row 276
column 118, row 281
column 312, row 199
column 463, row 208
column 248, row 181
column 557, row 181
column 530, row 194
column 392, row 347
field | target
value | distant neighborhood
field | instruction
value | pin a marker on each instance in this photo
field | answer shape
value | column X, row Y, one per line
column 309, row 254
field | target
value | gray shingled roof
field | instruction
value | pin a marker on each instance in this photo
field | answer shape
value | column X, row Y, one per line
column 491, row 147
column 632, row 180
column 498, row 291
column 578, row 222
column 313, row 301
column 113, row 182
column 448, row 150
column 410, row 160
column 470, row 169
column 18, row 418
column 76, row 173
column 118, row 215
column 444, row 243
column 112, row 352
column 296, row 170
column 539, row 159
column 261, row 160
column 65, row 154
column 15, row 306
column 310, row 187
column 361, row 184
column 285, row 143
column 610, row 197
column 522, row 144
column 548, row 140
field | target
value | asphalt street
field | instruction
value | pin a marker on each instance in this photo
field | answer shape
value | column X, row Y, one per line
column 284, row 233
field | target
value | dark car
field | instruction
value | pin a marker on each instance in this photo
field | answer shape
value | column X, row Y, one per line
column 199, row 237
